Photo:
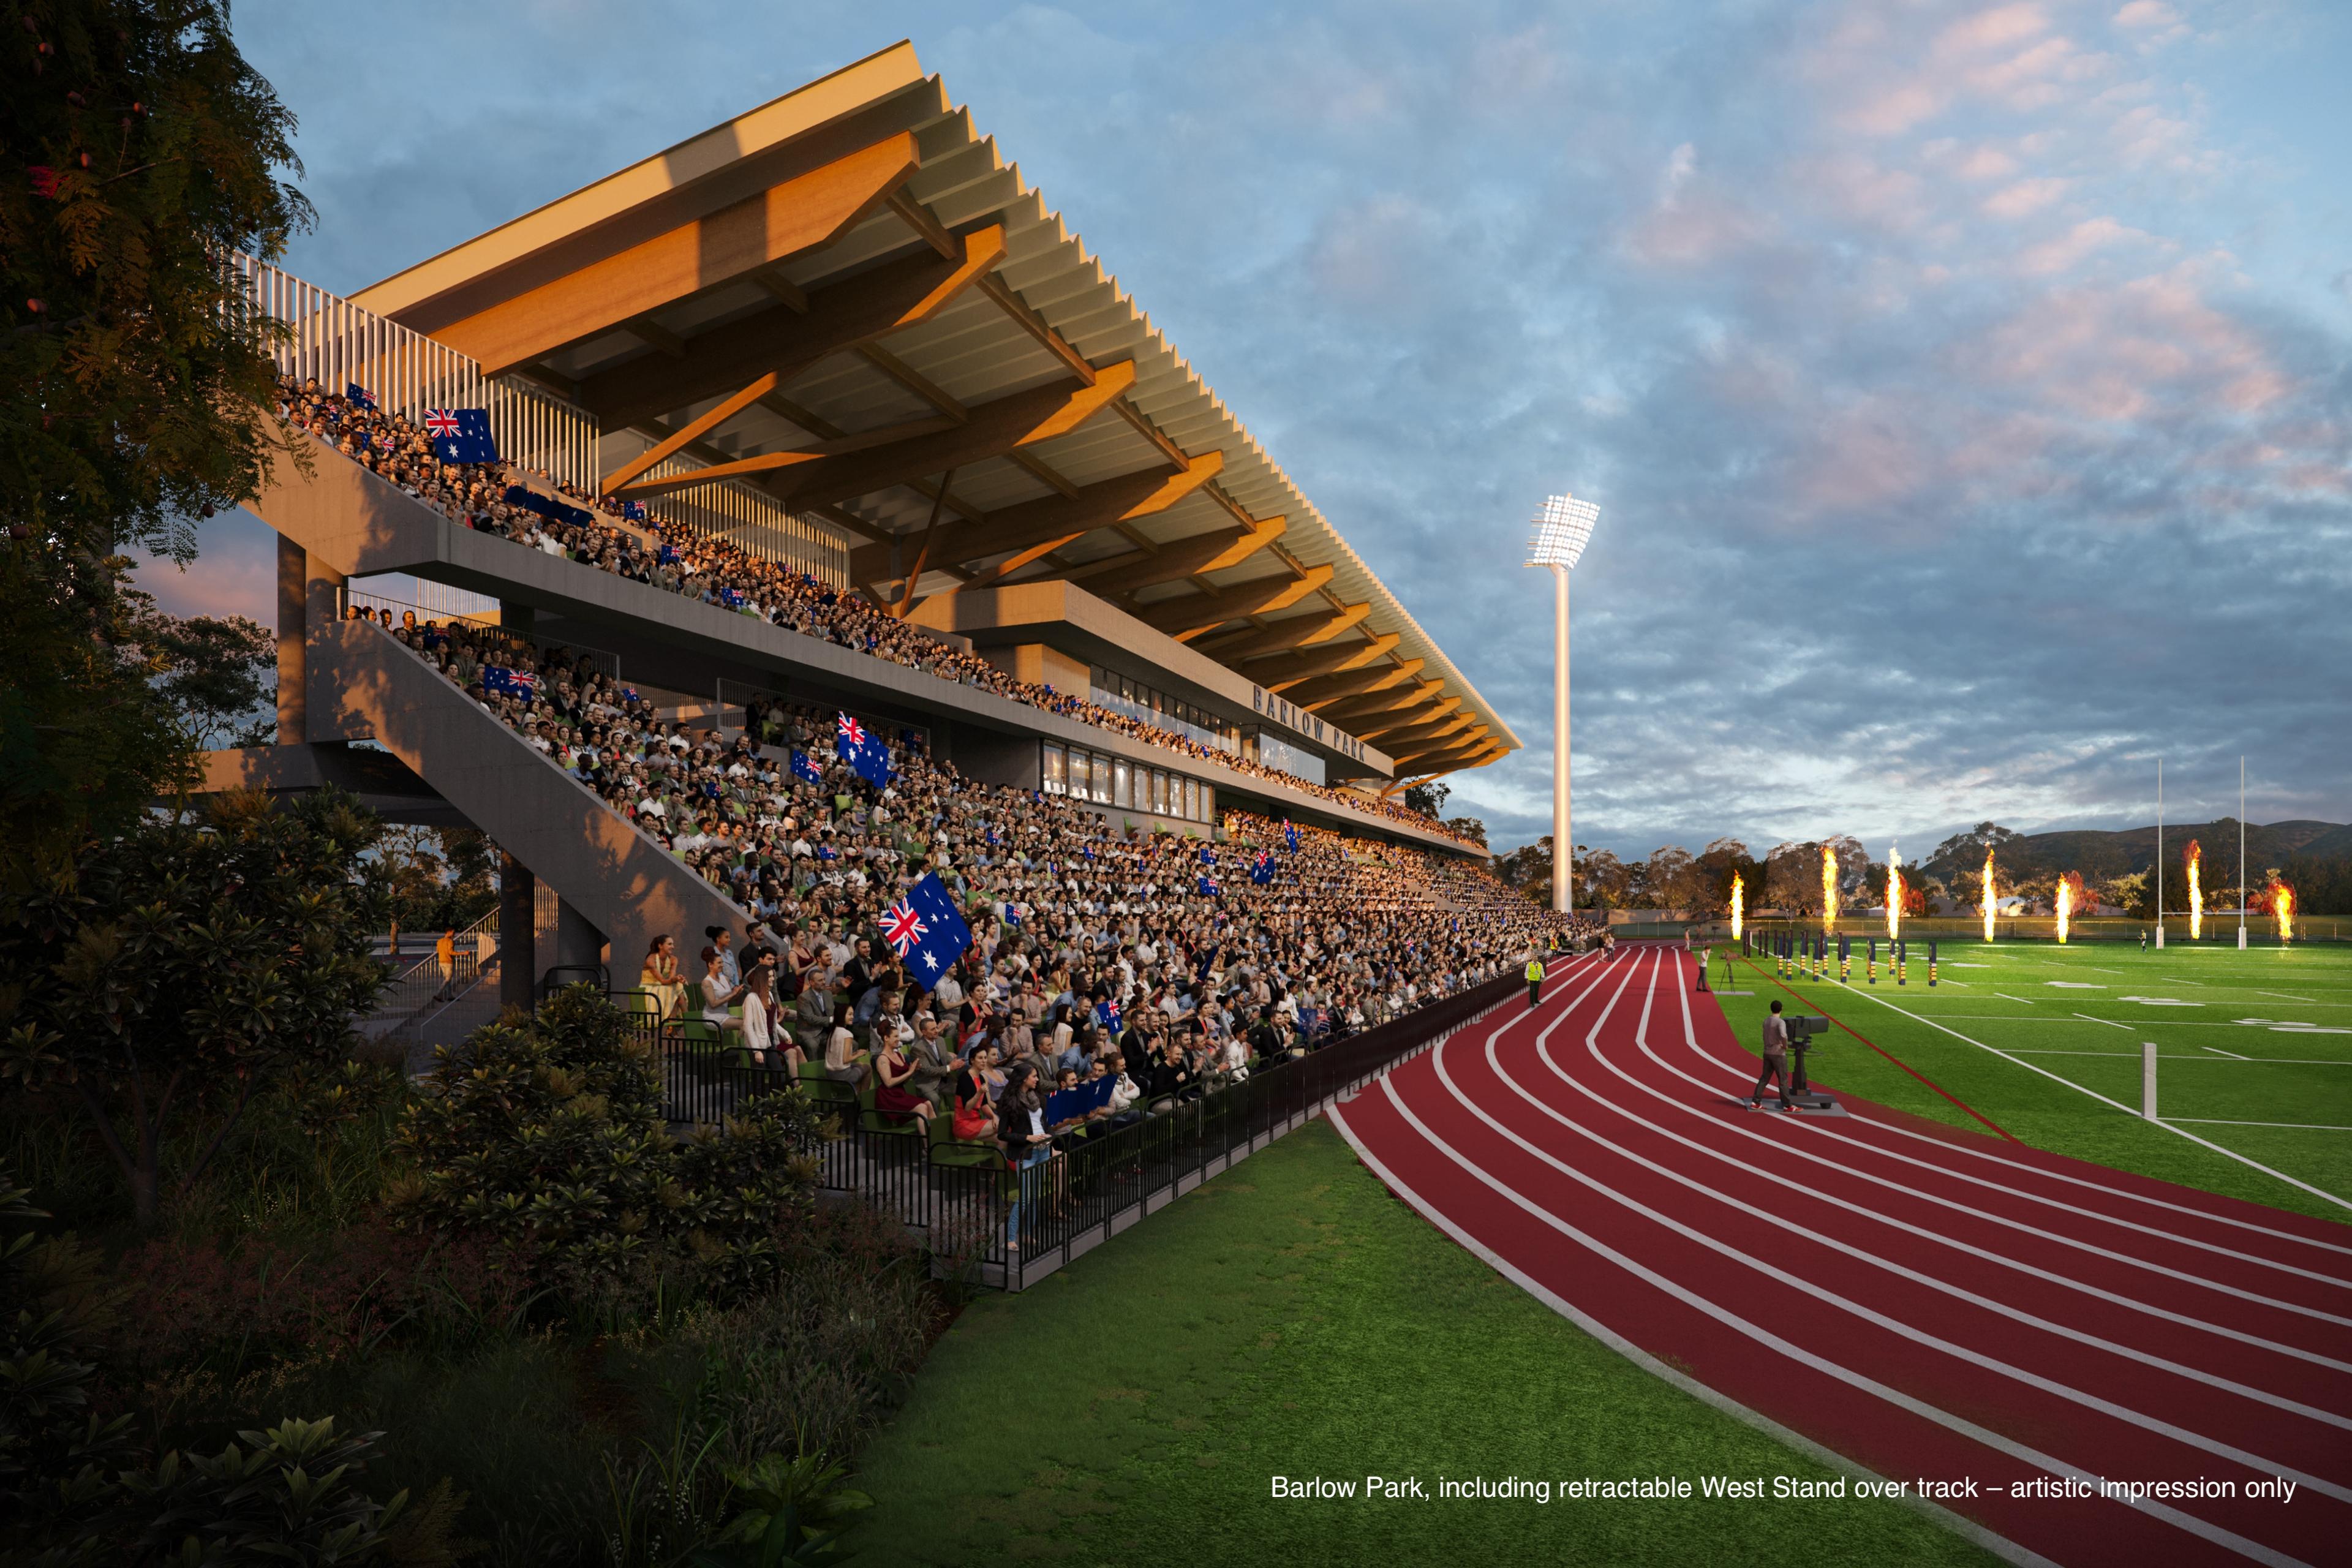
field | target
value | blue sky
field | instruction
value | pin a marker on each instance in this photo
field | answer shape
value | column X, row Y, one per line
column 1967, row 387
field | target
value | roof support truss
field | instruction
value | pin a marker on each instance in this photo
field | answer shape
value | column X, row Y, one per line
column 801, row 215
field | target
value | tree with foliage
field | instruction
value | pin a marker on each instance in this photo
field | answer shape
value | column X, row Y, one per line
column 1428, row 799
column 1528, row 869
column 219, row 674
column 547, row 1134
column 136, row 387
column 193, row 963
column 1468, row 828
column 1670, row 878
column 1719, row 862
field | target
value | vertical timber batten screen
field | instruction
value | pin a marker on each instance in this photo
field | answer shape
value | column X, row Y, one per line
column 331, row 339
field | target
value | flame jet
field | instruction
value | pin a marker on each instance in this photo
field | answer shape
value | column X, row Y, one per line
column 1829, row 888
column 1985, row 902
column 2196, row 857
column 1738, row 904
column 1893, row 891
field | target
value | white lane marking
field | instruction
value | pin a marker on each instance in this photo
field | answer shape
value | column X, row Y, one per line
column 2220, row 1052
column 2223, row 1121
column 2108, row 1022
column 1747, row 1211
column 2284, row 997
column 1868, row 1385
column 2134, row 1113
column 2073, row 985
column 2000, row 1545
column 2160, row 1001
column 2024, row 1001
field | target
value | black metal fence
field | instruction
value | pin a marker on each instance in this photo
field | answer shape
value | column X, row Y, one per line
column 1007, row 1227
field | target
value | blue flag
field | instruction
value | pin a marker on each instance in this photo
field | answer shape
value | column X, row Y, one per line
column 498, row 680
column 924, row 929
column 547, row 507
column 869, row 756
column 635, row 510
column 1208, row 856
column 1107, row 1013
column 359, row 396
column 804, row 767
column 1290, row 836
column 1262, row 868
column 1208, row 887
column 461, row 435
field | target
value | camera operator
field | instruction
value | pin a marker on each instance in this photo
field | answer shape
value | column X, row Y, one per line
column 1776, row 1061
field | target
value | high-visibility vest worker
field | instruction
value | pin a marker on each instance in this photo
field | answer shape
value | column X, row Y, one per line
column 1535, row 981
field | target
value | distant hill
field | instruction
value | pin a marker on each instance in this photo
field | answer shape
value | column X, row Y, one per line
column 2099, row 856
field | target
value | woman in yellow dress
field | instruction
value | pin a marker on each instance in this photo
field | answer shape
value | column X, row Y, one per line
column 661, row 977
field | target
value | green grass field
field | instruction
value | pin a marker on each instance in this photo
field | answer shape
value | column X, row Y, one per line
column 2254, row 1054
column 1291, row 1318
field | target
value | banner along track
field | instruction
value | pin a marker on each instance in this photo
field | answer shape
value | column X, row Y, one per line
column 2009, row 1327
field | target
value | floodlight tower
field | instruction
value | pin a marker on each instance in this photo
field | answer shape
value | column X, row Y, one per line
column 1562, row 528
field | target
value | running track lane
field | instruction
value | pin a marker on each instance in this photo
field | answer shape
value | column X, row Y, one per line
column 1922, row 1301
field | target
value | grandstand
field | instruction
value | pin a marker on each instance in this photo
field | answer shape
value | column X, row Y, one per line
column 824, row 411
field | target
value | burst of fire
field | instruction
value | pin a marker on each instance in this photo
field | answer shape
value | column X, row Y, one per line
column 1828, row 888
column 1986, row 903
column 2196, row 892
column 1893, row 892
column 1738, row 904
column 2283, row 908
column 2070, row 892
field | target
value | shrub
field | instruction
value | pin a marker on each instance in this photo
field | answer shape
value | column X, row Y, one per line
column 546, row 1135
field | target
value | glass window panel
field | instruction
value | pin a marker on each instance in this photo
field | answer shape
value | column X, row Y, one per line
column 1191, row 800
column 1120, row 794
column 1102, row 779
column 1078, row 773
column 1057, row 771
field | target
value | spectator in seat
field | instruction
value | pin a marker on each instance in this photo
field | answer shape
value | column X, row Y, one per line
column 661, row 977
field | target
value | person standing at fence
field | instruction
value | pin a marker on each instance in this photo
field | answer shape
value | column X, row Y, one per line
column 445, row 956
column 1534, row 978
column 1776, row 1061
column 1021, row 1133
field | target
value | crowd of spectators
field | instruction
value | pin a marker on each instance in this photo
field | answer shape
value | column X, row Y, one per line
column 484, row 497
column 1097, row 950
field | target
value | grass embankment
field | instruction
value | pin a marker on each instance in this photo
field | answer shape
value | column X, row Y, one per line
column 2260, row 1036
column 1291, row 1318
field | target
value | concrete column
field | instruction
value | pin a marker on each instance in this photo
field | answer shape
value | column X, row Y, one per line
column 293, row 630
column 518, row 934
column 322, row 711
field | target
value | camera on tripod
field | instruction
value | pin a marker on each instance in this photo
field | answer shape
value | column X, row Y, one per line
column 1803, row 1029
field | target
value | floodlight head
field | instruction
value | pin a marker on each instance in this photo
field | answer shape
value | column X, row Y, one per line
column 1562, row 528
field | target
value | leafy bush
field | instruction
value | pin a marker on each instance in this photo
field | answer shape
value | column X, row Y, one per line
column 186, row 968
column 546, row 1135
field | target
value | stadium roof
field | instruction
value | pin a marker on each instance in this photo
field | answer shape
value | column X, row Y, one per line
column 847, row 297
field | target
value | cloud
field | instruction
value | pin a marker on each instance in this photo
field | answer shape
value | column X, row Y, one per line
column 1949, row 469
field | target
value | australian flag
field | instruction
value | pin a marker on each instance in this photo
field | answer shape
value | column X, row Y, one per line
column 1208, row 887
column 500, row 681
column 1208, row 856
column 359, row 396
column 867, row 755
column 461, row 435
column 924, row 929
column 1262, row 868
column 633, row 510
column 804, row 768
column 1290, row 836
column 1107, row 1013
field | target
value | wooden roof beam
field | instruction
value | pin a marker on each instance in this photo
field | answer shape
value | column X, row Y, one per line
column 785, row 342
column 992, row 430
column 1034, row 528
column 1284, row 670
column 1321, row 691
column 801, row 215
column 1297, row 632
column 1187, row 617
column 1177, row 560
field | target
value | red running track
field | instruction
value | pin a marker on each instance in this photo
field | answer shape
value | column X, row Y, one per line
column 1902, row 1298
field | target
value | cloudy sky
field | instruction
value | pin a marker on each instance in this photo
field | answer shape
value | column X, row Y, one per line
column 1967, row 387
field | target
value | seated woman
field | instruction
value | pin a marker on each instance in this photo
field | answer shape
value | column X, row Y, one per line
column 894, row 1090
column 660, row 976
column 719, row 997
column 844, row 1062
column 975, row 1112
column 758, row 1037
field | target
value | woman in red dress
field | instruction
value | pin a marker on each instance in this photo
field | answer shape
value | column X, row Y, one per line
column 892, row 1098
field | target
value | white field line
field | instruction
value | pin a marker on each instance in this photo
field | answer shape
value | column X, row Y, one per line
column 2120, row 1105
column 2221, row 1121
